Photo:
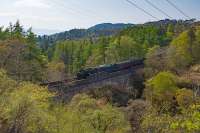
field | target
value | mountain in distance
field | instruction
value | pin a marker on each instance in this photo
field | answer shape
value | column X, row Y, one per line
column 104, row 29
column 109, row 26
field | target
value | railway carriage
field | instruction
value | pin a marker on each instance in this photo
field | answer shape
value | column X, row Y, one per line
column 85, row 73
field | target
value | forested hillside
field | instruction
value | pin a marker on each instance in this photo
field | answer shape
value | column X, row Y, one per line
column 170, row 101
column 104, row 29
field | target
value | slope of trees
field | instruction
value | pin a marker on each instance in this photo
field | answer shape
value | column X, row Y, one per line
column 173, row 109
column 104, row 29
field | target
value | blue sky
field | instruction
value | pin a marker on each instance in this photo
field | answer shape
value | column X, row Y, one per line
column 50, row 16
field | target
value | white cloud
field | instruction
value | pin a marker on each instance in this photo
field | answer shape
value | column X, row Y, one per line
column 7, row 14
column 31, row 3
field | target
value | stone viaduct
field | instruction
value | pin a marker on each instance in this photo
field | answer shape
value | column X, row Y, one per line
column 123, row 79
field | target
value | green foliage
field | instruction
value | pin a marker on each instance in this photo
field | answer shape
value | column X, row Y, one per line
column 160, row 90
column 23, row 106
column 19, row 54
column 99, row 119
column 173, row 110
column 6, row 84
column 189, row 121
column 28, row 112
column 185, row 98
column 153, row 122
column 196, row 46
column 184, row 50
column 17, row 30
column 170, row 31
column 151, row 34
column 179, row 54
column 73, row 53
column 26, row 107
column 80, row 54
column 186, row 119
column 163, row 82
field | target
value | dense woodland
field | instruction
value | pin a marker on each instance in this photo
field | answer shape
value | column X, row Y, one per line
column 170, row 102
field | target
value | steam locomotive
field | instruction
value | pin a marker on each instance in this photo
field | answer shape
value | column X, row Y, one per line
column 85, row 73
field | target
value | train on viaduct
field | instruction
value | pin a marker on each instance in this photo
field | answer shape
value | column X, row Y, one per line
column 118, row 74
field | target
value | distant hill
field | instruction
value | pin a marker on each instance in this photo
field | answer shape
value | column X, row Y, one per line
column 109, row 26
column 171, row 21
column 104, row 29
column 109, row 29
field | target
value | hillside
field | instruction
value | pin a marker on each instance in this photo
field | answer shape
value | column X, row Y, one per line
column 104, row 29
column 109, row 29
